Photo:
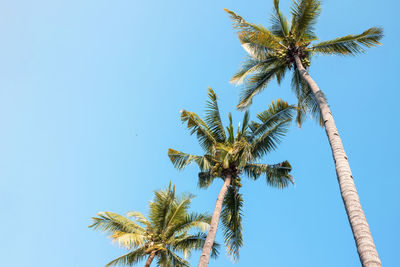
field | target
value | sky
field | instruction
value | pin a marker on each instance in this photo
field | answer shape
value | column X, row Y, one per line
column 90, row 93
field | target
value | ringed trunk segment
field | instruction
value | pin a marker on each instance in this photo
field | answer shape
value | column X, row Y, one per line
column 150, row 259
column 205, row 254
column 365, row 244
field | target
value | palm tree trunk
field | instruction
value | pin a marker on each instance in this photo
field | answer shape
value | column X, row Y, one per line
column 362, row 235
column 205, row 254
column 150, row 259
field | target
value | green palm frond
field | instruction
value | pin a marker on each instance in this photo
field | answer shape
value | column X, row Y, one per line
column 160, row 208
column 254, row 34
column 256, row 84
column 111, row 222
column 195, row 242
column 350, row 44
column 192, row 221
column 280, row 26
column 180, row 160
column 175, row 260
column 231, row 219
column 213, row 118
column 196, row 125
column 251, row 66
column 269, row 140
column 205, row 179
column 178, row 212
column 129, row 259
column 305, row 14
column 278, row 111
column 307, row 103
column 277, row 175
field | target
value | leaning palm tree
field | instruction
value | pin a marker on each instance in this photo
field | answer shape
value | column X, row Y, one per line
column 289, row 46
column 227, row 156
column 168, row 230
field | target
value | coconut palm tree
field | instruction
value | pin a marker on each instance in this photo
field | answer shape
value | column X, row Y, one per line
column 290, row 46
column 228, row 155
column 168, row 230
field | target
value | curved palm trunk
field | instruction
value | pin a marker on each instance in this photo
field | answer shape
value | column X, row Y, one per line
column 205, row 254
column 362, row 235
column 150, row 259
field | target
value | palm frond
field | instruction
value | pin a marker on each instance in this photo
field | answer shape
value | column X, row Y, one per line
column 112, row 222
column 277, row 175
column 305, row 14
column 205, row 179
column 254, row 34
column 196, row 125
column 268, row 141
column 231, row 219
column 307, row 102
column 175, row 260
column 213, row 118
column 257, row 83
column 180, row 160
column 251, row 66
column 178, row 212
column 129, row 259
column 128, row 240
column 278, row 111
column 139, row 217
column 191, row 221
column 194, row 242
column 280, row 26
column 350, row 44
column 160, row 208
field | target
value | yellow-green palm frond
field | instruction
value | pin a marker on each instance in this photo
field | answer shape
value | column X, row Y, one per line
column 277, row 175
column 350, row 44
column 257, row 83
column 305, row 14
column 112, row 222
column 139, row 217
column 129, row 259
column 177, row 212
column 180, row 160
column 160, row 208
column 128, row 240
column 213, row 118
column 280, row 26
column 197, row 126
column 191, row 221
column 231, row 219
column 254, row 34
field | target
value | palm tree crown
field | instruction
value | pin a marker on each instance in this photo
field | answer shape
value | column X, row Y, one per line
column 168, row 230
column 272, row 51
column 236, row 153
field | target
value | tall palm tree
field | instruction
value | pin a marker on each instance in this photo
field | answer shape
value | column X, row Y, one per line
column 168, row 230
column 227, row 156
column 289, row 46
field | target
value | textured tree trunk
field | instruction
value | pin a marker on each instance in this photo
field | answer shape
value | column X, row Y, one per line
column 205, row 254
column 150, row 259
column 362, row 235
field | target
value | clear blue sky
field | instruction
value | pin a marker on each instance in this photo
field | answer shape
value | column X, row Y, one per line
column 90, row 93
